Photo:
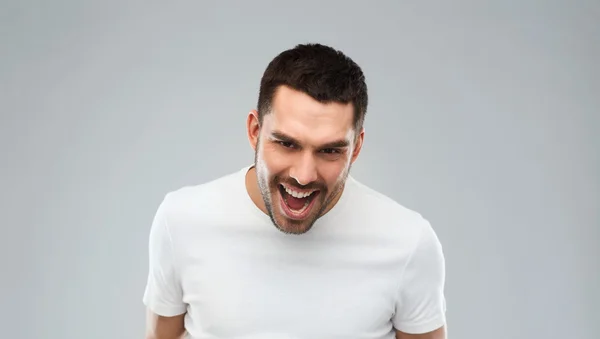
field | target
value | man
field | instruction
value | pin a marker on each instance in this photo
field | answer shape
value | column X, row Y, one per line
column 293, row 246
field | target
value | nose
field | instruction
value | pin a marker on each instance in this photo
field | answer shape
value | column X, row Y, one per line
column 304, row 170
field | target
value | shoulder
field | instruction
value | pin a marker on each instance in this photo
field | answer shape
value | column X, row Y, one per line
column 198, row 200
column 382, row 211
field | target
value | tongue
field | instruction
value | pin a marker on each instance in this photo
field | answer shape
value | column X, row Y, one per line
column 295, row 203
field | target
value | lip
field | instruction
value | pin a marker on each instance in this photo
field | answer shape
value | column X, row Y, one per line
column 291, row 214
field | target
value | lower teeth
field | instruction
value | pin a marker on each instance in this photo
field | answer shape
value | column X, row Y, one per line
column 306, row 203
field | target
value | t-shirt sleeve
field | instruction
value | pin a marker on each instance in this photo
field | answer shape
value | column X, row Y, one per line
column 163, row 294
column 421, row 305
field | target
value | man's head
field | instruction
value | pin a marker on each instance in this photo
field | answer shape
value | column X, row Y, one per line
column 307, row 132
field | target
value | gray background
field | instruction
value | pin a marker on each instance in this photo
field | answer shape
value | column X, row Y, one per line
column 484, row 118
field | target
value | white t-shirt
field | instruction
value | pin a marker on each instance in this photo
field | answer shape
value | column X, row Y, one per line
column 368, row 266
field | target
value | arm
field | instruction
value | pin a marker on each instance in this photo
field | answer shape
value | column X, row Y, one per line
column 421, row 305
column 159, row 327
column 440, row 333
column 163, row 295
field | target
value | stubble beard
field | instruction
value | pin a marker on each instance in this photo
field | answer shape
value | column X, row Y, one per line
column 269, row 188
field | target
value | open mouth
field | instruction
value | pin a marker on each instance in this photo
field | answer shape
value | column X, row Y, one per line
column 297, row 204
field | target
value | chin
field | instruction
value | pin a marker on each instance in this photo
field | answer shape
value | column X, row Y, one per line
column 294, row 221
column 288, row 227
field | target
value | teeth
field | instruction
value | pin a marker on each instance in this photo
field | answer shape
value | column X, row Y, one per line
column 303, row 207
column 300, row 210
column 297, row 194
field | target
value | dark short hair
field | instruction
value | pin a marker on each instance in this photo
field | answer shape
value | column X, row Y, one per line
column 325, row 74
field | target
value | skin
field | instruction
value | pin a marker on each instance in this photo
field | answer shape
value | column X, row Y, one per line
column 159, row 327
column 440, row 333
column 304, row 144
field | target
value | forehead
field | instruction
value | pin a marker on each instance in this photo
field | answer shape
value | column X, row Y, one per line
column 302, row 117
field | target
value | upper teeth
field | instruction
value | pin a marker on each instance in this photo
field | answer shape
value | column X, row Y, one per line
column 297, row 194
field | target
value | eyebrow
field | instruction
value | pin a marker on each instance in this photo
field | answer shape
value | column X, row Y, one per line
column 334, row 144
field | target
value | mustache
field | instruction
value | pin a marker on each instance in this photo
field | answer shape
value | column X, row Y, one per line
column 294, row 184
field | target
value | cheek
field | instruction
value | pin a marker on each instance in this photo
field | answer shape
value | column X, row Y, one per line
column 333, row 172
column 273, row 161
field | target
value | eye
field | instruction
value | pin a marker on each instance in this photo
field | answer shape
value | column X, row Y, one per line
column 330, row 151
column 286, row 144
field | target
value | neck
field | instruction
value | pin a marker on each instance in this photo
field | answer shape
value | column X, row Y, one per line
column 253, row 189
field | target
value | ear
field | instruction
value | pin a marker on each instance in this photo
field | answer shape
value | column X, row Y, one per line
column 253, row 128
column 358, row 144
